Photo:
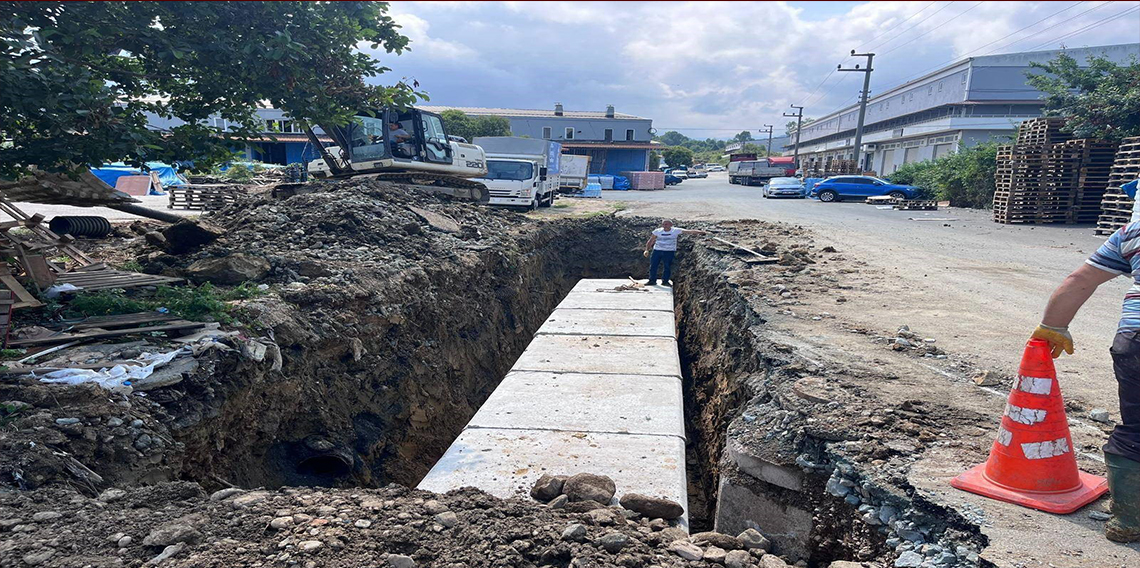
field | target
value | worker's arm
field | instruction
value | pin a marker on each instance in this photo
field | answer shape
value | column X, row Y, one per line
column 1063, row 305
column 649, row 244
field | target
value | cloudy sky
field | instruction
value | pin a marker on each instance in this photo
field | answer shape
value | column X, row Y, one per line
column 714, row 69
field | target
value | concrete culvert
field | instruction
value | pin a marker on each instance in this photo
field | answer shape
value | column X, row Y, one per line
column 327, row 466
column 80, row 226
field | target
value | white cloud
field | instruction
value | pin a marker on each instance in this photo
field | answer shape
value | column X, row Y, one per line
column 714, row 67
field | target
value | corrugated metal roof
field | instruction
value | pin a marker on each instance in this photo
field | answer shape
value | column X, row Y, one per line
column 612, row 145
column 529, row 113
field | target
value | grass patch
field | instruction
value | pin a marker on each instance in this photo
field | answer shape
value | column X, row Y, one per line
column 561, row 206
column 131, row 266
column 196, row 303
column 6, row 354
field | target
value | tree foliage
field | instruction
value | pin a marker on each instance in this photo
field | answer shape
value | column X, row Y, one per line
column 78, row 80
column 678, row 156
column 744, row 136
column 965, row 178
column 654, row 160
column 1101, row 100
column 458, row 123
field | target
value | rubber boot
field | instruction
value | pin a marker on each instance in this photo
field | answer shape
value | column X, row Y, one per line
column 1124, row 483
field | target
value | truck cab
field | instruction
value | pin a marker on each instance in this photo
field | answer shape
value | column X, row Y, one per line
column 395, row 141
column 521, row 172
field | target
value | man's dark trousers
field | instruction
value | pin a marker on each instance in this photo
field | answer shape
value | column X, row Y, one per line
column 1125, row 438
column 659, row 257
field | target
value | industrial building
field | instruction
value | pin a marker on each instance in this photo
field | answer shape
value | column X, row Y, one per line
column 616, row 142
column 974, row 100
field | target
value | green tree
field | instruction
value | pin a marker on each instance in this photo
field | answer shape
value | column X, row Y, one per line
column 78, row 80
column 678, row 156
column 458, row 123
column 760, row 150
column 654, row 160
column 1101, row 100
column 744, row 136
column 965, row 178
column 673, row 138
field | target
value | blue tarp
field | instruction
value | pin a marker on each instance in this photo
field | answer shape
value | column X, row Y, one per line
column 621, row 183
column 111, row 173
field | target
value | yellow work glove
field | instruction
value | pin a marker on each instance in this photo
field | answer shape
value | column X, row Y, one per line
column 1058, row 338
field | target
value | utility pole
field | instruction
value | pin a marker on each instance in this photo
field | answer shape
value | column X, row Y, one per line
column 769, row 127
column 799, row 114
column 862, row 103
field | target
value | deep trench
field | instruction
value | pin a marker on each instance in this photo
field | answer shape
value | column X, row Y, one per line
column 341, row 419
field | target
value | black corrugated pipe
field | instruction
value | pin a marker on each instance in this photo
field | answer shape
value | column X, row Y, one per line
column 80, row 226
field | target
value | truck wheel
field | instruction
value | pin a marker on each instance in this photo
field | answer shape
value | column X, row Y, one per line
column 827, row 196
column 547, row 201
column 897, row 195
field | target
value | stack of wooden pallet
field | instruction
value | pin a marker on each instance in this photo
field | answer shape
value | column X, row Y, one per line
column 1116, row 207
column 203, row 197
column 1045, row 177
column 1091, row 178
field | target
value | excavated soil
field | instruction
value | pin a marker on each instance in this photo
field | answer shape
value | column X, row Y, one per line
column 384, row 328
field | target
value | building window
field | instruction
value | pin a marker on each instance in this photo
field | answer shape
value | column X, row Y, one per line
column 546, row 133
column 569, row 133
column 629, row 134
column 940, row 86
column 609, row 135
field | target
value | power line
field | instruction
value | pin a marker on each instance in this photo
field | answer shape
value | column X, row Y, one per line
column 888, row 30
column 981, row 47
column 1086, row 28
column 915, row 38
column 1041, row 31
column 919, row 23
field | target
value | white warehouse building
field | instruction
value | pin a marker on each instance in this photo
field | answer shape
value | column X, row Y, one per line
column 972, row 101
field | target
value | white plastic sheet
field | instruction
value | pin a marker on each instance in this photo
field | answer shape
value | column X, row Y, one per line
column 116, row 376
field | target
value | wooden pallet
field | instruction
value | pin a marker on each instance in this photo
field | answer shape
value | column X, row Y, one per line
column 1116, row 207
column 202, row 197
column 102, row 278
column 917, row 205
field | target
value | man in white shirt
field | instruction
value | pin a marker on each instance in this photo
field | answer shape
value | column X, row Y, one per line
column 663, row 243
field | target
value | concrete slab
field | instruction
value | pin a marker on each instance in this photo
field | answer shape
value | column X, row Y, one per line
column 785, row 517
column 625, row 404
column 608, row 285
column 601, row 354
column 507, row 462
column 610, row 322
column 630, row 300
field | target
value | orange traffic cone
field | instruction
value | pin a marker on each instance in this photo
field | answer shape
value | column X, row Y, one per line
column 1032, row 462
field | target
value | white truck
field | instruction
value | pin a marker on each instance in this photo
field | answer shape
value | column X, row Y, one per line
column 522, row 172
column 574, row 170
column 753, row 172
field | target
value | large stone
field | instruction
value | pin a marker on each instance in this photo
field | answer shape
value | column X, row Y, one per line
column 715, row 554
column 772, row 561
column 401, row 561
column 909, row 559
column 175, row 532
column 737, row 559
column 186, row 235
column 547, row 487
column 438, row 221
column 751, row 538
column 845, row 564
column 590, row 487
column 233, row 269
column 612, row 542
column 652, row 507
column 686, row 550
column 574, row 533
column 712, row 538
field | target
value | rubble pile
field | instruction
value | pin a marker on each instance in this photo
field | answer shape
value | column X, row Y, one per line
column 178, row 524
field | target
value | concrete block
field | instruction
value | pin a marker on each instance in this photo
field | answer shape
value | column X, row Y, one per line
column 610, row 322
column 601, row 354
column 507, row 462
column 608, row 285
column 620, row 404
column 788, row 477
column 781, row 515
column 628, row 300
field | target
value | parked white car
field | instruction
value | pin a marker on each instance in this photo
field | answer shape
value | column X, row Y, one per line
column 784, row 187
column 714, row 168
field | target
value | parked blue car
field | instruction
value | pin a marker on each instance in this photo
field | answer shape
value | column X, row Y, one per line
column 671, row 179
column 839, row 187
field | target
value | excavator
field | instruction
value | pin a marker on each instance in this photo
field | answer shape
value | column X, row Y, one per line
column 421, row 154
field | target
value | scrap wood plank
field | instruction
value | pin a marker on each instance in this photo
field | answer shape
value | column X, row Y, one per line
column 174, row 325
column 761, row 258
column 33, row 223
column 122, row 320
column 111, row 278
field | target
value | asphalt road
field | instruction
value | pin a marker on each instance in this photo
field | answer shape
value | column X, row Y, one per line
column 977, row 285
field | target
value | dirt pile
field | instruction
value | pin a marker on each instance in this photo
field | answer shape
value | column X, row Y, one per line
column 392, row 526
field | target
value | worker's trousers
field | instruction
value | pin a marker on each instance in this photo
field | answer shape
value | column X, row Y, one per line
column 1125, row 438
column 661, row 257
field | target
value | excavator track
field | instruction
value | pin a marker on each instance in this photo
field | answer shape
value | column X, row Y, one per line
column 454, row 186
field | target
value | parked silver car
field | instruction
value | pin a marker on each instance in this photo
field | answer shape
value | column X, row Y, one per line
column 784, row 187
